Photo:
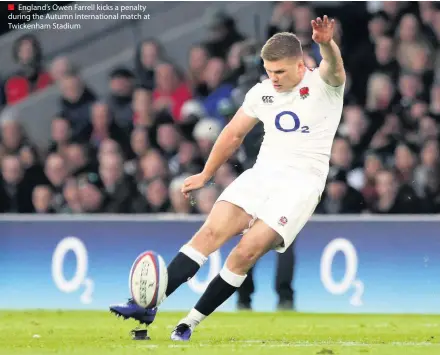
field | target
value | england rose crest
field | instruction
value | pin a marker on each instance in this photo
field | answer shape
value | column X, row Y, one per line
column 304, row 92
column 282, row 221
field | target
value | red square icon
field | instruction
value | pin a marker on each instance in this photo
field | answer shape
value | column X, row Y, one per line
column 11, row 7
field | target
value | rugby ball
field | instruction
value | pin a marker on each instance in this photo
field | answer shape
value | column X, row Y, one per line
column 148, row 279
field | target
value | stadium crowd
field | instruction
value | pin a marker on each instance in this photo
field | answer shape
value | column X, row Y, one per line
column 129, row 152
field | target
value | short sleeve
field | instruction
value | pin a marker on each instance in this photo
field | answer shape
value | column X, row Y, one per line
column 251, row 101
column 334, row 92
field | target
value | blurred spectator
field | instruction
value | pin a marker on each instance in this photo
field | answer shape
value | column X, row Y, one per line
column 205, row 133
column 434, row 107
column 75, row 105
column 61, row 133
column 60, row 67
column 119, row 187
column 168, row 139
column 104, row 127
column 171, row 92
column 380, row 93
column 375, row 57
column 56, row 172
column 198, row 59
column 428, row 129
column 12, row 136
column 282, row 19
column 152, row 165
column 15, row 188
column 431, row 191
column 101, row 123
column 357, row 130
column 157, row 196
column 32, row 166
column 192, row 111
column 92, row 196
column 77, row 159
column 410, row 87
column 154, row 198
column 140, row 144
column 405, row 162
column 235, row 62
column 41, row 199
column 187, row 160
column 372, row 165
column 122, row 83
column 148, row 56
column 394, row 11
column 338, row 197
column 142, row 106
column 342, row 157
column 216, row 90
column 72, row 197
column 430, row 162
column 31, row 77
column 179, row 203
column 409, row 37
column 109, row 146
column 393, row 197
column 222, row 35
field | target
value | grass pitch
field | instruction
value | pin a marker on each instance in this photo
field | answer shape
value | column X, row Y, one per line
column 98, row 333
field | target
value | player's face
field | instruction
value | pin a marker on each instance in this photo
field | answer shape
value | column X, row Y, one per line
column 286, row 73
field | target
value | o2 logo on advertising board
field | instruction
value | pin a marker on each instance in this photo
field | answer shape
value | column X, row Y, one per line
column 75, row 245
column 350, row 276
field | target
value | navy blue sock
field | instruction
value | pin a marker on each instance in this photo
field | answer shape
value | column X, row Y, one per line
column 219, row 290
column 180, row 270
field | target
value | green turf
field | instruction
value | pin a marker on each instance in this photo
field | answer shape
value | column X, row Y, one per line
column 96, row 333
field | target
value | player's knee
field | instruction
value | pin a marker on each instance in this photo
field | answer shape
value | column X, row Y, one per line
column 206, row 239
column 245, row 256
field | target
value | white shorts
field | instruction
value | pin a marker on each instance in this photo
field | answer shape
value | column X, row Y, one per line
column 283, row 200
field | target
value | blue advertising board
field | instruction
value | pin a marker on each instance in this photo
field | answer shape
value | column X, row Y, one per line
column 343, row 265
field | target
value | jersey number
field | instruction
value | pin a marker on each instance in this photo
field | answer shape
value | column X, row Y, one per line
column 297, row 123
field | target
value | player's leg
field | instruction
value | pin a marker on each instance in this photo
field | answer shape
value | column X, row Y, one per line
column 254, row 244
column 245, row 292
column 225, row 221
column 280, row 219
column 284, row 278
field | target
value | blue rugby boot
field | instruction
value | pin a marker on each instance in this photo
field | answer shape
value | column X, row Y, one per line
column 132, row 310
column 181, row 333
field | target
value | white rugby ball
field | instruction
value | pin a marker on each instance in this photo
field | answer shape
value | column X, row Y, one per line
column 148, row 279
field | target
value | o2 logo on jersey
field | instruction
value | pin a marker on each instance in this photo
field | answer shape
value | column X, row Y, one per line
column 296, row 123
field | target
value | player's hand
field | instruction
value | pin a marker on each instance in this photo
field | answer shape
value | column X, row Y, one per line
column 194, row 182
column 323, row 30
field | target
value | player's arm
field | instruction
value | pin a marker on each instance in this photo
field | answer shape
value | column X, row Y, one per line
column 228, row 141
column 331, row 68
column 226, row 144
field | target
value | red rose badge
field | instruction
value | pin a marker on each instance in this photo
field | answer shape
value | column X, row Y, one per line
column 304, row 92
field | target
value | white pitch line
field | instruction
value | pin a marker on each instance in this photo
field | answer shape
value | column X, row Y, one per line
column 261, row 343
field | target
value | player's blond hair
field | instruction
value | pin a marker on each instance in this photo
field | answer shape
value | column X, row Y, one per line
column 280, row 46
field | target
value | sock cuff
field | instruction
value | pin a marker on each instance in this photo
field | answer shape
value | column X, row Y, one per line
column 194, row 254
column 231, row 278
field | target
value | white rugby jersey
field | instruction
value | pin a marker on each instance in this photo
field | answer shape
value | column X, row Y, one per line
column 299, row 125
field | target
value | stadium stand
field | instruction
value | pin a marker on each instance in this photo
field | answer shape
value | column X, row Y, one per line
column 113, row 124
